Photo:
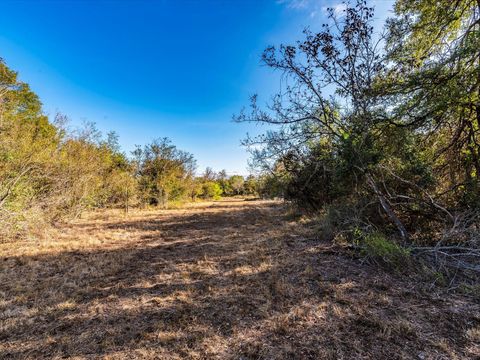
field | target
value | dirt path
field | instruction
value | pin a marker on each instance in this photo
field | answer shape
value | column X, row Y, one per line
column 232, row 279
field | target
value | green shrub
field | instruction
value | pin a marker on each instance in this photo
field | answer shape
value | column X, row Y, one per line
column 383, row 251
column 211, row 190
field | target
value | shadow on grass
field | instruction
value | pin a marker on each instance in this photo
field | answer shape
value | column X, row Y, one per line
column 213, row 285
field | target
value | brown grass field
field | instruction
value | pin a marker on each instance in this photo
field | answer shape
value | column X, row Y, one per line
column 225, row 280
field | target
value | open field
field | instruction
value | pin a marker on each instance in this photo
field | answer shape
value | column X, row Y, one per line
column 228, row 279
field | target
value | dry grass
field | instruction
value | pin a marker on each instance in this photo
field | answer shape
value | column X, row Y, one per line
column 229, row 279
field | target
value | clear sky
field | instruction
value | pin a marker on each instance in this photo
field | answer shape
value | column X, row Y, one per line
column 148, row 69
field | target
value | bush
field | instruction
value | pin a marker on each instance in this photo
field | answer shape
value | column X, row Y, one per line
column 378, row 248
column 271, row 186
column 211, row 190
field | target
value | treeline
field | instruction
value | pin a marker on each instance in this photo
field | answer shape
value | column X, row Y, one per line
column 48, row 173
column 380, row 132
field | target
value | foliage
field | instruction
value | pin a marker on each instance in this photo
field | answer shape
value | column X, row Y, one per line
column 211, row 190
column 48, row 173
column 236, row 183
column 250, row 185
column 387, row 124
column 271, row 186
column 433, row 89
column 378, row 248
column 233, row 185
column 164, row 172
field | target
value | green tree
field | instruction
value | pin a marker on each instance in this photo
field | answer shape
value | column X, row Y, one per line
column 346, row 129
column 250, row 185
column 222, row 180
column 433, row 88
column 164, row 172
column 211, row 190
column 236, row 184
column 28, row 143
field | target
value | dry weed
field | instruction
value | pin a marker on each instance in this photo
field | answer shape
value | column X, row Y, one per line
column 227, row 279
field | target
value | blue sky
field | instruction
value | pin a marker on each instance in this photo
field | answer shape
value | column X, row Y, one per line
column 148, row 69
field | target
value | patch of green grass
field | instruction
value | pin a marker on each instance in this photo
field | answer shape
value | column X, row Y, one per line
column 378, row 248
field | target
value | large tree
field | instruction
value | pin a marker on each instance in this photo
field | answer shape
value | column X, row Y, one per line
column 326, row 109
column 164, row 171
column 433, row 85
column 367, row 122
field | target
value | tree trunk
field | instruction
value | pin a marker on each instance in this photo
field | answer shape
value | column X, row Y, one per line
column 386, row 207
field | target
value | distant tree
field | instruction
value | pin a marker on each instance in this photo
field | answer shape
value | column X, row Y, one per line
column 250, row 185
column 222, row 180
column 236, row 184
column 195, row 188
column 163, row 172
column 222, row 175
column 211, row 190
column 209, row 174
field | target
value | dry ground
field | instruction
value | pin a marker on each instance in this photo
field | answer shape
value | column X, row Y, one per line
column 231, row 279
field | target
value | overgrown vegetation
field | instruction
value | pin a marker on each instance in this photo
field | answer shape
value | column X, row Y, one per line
column 374, row 140
column 48, row 173
column 386, row 126
column 380, row 131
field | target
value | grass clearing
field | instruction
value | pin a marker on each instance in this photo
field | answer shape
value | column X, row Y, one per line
column 227, row 279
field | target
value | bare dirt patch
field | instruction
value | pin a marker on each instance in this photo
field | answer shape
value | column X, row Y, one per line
column 230, row 279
